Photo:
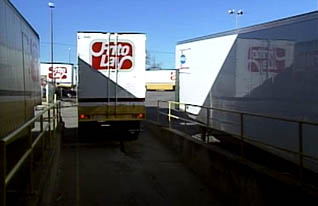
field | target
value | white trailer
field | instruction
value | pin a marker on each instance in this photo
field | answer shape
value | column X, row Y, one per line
column 62, row 73
column 19, row 69
column 111, row 88
column 161, row 79
column 268, row 69
column 62, row 76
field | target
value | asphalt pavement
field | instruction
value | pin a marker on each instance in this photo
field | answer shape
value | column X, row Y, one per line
column 108, row 171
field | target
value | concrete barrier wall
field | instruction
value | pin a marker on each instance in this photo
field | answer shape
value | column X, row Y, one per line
column 244, row 182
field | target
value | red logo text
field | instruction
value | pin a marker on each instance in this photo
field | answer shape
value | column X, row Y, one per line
column 264, row 59
column 112, row 56
column 58, row 73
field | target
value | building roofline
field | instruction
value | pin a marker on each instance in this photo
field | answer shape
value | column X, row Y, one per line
column 266, row 25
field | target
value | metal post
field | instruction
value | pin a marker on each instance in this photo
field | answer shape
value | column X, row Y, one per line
column 49, row 122
column 301, row 158
column 242, row 134
column 69, row 55
column 185, row 111
column 41, row 123
column 3, row 173
column 53, row 80
column 42, row 139
column 169, row 114
column 60, row 111
column 109, row 79
column 51, row 6
column 30, row 162
column 116, row 70
column 207, row 124
column 177, row 87
column 57, row 112
column 54, row 119
column 158, row 111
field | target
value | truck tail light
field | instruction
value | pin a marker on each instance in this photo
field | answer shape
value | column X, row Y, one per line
column 83, row 116
column 140, row 116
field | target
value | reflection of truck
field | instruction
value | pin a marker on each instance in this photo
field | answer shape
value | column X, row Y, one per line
column 111, row 88
column 268, row 69
column 160, row 79
column 19, row 69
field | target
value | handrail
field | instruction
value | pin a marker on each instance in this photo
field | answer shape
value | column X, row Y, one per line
column 245, row 113
column 12, row 136
column 243, row 137
column 6, row 176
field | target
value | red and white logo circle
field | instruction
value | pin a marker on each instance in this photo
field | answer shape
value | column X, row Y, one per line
column 58, row 73
column 106, row 55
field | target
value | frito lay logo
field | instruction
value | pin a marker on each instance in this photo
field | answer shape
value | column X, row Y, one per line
column 264, row 59
column 104, row 55
column 58, row 73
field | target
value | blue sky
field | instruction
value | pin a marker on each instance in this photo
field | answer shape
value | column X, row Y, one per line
column 165, row 22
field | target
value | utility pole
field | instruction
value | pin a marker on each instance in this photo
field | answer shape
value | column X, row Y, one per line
column 51, row 6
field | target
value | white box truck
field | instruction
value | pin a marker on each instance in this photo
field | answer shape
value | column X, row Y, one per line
column 111, row 87
column 269, row 69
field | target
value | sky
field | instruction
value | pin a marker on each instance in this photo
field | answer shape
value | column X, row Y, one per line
column 165, row 22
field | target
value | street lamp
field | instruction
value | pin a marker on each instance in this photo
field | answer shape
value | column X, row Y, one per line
column 69, row 55
column 51, row 6
column 238, row 13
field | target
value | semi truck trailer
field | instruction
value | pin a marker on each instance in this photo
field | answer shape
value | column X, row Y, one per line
column 160, row 79
column 111, row 87
column 19, row 69
column 63, row 75
column 269, row 69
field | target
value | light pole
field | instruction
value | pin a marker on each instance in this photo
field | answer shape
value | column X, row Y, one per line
column 238, row 13
column 51, row 6
column 69, row 55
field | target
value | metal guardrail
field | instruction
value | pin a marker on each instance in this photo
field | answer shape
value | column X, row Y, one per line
column 50, row 128
column 242, row 135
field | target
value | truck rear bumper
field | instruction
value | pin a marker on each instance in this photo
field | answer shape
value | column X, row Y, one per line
column 108, row 113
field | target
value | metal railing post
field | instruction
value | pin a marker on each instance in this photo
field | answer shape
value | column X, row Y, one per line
column 158, row 110
column 42, row 139
column 58, row 108
column 30, row 161
column 49, row 122
column 300, row 142
column 207, row 124
column 3, row 173
column 43, row 150
column 185, row 111
column 41, row 124
column 54, row 119
column 242, row 134
column 169, row 114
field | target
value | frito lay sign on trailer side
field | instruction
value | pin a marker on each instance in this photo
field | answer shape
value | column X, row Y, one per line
column 119, row 57
column 262, row 61
column 62, row 73
column 58, row 73
column 105, row 55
